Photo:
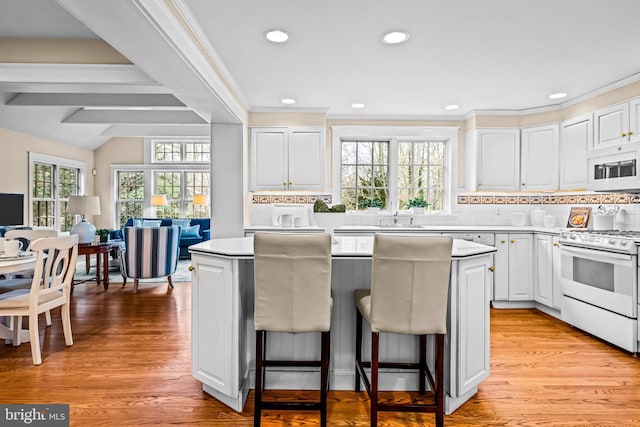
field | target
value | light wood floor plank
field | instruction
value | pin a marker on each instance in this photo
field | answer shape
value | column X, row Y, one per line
column 131, row 366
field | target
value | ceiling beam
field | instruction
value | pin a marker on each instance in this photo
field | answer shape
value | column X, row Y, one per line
column 135, row 117
column 96, row 100
column 157, row 130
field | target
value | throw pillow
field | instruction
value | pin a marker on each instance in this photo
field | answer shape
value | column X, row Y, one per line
column 190, row 231
column 147, row 223
column 181, row 222
column 137, row 222
column 116, row 235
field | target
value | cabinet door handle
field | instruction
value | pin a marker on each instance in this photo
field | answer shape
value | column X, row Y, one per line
column 623, row 135
column 479, row 183
column 503, row 241
column 290, row 183
column 513, row 241
column 523, row 184
column 492, row 268
column 629, row 133
column 191, row 268
column 284, row 184
column 555, row 244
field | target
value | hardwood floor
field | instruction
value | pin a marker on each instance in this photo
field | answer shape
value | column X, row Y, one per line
column 130, row 365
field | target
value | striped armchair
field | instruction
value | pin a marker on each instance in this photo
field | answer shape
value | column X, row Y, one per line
column 149, row 253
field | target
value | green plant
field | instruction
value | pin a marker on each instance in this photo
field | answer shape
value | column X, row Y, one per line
column 371, row 203
column 320, row 206
column 338, row 208
column 103, row 232
column 417, row 202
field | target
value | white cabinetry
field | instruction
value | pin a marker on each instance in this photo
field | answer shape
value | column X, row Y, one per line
column 543, row 271
column 575, row 141
column 287, row 158
column 217, row 329
column 513, row 267
column 539, row 158
column 472, row 360
column 557, row 270
column 617, row 124
column 498, row 157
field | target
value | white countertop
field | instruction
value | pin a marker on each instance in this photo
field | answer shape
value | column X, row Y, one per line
column 343, row 247
column 452, row 228
column 309, row 228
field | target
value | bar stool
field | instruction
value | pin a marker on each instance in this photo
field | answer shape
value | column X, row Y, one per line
column 292, row 275
column 409, row 295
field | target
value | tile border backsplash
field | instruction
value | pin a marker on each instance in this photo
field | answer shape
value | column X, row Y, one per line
column 267, row 199
column 551, row 199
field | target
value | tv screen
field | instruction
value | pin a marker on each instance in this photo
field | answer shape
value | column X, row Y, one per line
column 11, row 209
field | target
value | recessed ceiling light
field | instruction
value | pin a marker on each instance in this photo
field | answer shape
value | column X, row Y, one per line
column 557, row 95
column 288, row 101
column 452, row 107
column 276, row 36
column 395, row 37
column 357, row 105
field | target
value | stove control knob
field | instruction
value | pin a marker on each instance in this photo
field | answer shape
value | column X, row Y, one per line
column 612, row 241
column 624, row 242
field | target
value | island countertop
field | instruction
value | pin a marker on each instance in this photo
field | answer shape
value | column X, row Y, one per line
column 342, row 247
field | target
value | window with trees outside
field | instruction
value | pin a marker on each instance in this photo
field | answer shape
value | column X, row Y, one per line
column 365, row 171
column 53, row 180
column 393, row 173
column 179, row 169
column 421, row 174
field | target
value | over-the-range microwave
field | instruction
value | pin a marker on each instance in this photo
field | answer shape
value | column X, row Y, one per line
column 615, row 171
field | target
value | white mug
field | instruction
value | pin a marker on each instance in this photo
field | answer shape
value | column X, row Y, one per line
column 285, row 220
column 12, row 247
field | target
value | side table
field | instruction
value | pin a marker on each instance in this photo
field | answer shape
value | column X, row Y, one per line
column 98, row 249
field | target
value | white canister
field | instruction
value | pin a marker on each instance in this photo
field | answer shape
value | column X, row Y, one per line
column 549, row 221
column 519, row 219
column 603, row 222
column 537, row 216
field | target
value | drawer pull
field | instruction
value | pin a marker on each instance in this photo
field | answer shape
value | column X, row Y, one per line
column 492, row 268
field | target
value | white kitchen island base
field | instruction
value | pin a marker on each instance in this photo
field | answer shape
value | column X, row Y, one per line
column 223, row 337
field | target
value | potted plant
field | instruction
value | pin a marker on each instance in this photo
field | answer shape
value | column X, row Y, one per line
column 371, row 205
column 417, row 204
column 104, row 234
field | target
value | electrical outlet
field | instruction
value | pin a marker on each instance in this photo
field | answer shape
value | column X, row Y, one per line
column 498, row 211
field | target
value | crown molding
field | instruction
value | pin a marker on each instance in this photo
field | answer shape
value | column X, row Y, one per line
column 424, row 118
column 309, row 110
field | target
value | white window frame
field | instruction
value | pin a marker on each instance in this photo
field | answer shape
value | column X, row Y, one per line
column 150, row 149
column 395, row 134
column 56, row 162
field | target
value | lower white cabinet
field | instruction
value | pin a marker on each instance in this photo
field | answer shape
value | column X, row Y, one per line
column 471, row 331
column 513, row 267
column 547, row 288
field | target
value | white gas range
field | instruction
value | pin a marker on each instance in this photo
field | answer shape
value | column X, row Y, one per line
column 599, row 272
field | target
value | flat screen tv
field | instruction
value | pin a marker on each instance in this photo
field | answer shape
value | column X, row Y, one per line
column 11, row 209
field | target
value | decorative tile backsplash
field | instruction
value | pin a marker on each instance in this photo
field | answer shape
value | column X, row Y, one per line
column 553, row 199
column 266, row 199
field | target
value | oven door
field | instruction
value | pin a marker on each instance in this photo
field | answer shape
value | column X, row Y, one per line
column 600, row 278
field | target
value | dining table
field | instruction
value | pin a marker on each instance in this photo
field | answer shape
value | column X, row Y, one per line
column 25, row 261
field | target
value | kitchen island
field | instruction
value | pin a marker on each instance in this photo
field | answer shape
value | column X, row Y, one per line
column 223, row 337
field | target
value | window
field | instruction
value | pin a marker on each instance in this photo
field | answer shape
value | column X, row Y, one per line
column 188, row 151
column 53, row 180
column 421, row 173
column 179, row 169
column 130, row 195
column 393, row 165
column 365, row 171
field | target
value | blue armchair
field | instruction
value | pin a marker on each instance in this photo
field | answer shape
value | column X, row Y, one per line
column 149, row 253
column 186, row 239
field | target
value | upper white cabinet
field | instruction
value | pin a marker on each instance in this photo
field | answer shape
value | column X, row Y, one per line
column 498, row 156
column 539, row 158
column 576, row 138
column 287, row 158
column 617, row 124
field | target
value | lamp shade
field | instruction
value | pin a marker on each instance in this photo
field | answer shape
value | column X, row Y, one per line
column 84, row 205
column 200, row 199
column 159, row 200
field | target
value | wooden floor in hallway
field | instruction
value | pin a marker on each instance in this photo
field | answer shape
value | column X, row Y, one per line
column 131, row 366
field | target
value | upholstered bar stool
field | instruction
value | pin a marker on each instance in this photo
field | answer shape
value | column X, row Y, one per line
column 292, row 275
column 409, row 295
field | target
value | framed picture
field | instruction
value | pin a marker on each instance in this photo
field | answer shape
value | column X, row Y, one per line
column 579, row 217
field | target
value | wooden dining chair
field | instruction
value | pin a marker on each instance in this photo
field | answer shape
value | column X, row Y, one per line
column 50, row 288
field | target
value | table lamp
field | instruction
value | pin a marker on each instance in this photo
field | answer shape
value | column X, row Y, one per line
column 200, row 199
column 158, row 200
column 84, row 205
